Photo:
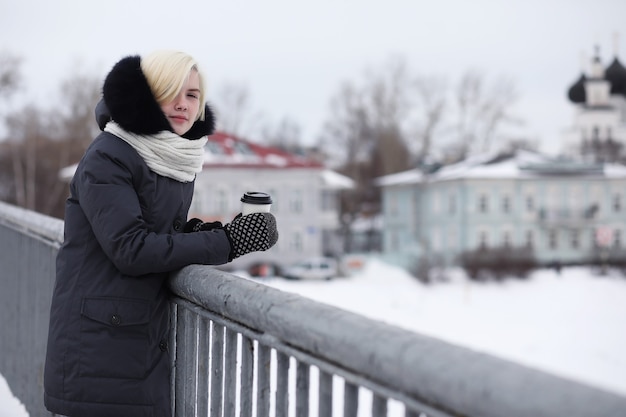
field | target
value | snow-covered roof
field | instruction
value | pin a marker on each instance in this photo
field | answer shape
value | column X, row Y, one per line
column 336, row 181
column 614, row 171
column 223, row 150
column 406, row 177
column 67, row 173
column 228, row 150
column 521, row 164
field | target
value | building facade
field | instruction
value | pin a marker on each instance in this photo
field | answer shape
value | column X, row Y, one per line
column 565, row 212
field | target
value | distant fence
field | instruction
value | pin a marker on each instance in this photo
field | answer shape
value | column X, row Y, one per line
column 241, row 348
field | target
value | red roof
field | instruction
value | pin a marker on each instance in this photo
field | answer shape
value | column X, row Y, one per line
column 224, row 150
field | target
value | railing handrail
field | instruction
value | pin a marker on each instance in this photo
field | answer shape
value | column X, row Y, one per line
column 32, row 223
column 448, row 377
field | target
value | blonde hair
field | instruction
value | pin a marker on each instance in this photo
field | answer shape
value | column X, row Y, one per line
column 167, row 72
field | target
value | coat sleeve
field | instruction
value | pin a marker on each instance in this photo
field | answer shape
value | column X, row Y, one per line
column 104, row 186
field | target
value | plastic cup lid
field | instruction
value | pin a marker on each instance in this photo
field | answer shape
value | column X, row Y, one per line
column 256, row 197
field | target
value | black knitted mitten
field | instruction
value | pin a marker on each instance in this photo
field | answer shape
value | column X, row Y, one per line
column 251, row 233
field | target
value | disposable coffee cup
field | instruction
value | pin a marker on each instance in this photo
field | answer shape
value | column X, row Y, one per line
column 255, row 202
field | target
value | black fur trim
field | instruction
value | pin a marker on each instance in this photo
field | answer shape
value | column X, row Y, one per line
column 202, row 127
column 130, row 103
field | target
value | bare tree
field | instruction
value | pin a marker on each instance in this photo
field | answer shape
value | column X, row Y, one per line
column 76, row 127
column 346, row 133
column 42, row 142
column 10, row 82
column 481, row 110
column 10, row 74
column 366, row 134
column 429, row 103
column 28, row 129
column 284, row 135
column 76, row 117
column 394, row 119
column 391, row 101
column 234, row 110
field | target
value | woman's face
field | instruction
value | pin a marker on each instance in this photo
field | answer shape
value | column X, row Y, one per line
column 183, row 110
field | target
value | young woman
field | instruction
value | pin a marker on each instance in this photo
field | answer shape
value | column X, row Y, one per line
column 124, row 232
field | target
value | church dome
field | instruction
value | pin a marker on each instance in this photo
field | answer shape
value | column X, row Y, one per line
column 616, row 75
column 576, row 92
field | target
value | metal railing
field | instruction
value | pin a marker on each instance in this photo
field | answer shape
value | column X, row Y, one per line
column 241, row 348
column 28, row 246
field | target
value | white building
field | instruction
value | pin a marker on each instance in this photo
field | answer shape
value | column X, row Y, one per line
column 599, row 121
column 305, row 196
column 523, row 200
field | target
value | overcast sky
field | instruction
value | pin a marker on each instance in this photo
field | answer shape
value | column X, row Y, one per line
column 293, row 55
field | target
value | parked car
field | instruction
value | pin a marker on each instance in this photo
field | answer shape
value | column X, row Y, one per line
column 315, row 268
column 263, row 269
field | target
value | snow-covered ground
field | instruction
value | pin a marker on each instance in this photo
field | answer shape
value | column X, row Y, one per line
column 571, row 324
column 9, row 405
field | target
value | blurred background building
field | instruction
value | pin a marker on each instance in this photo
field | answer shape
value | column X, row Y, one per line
column 555, row 210
column 304, row 192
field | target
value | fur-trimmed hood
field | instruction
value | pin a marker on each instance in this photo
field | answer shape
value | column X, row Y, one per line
column 128, row 100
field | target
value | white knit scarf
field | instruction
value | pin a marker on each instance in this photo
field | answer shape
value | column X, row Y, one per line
column 165, row 153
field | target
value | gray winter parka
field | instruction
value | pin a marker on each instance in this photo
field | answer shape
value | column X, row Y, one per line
column 108, row 338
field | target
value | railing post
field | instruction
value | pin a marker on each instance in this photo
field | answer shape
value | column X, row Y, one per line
column 247, row 375
column 263, row 380
column 204, row 358
column 217, row 366
column 302, row 389
column 230, row 373
column 282, row 384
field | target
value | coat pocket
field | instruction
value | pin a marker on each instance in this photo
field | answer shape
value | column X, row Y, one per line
column 114, row 337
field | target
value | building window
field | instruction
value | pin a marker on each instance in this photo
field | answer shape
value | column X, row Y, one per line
column 575, row 239
column 221, row 204
column 328, row 200
column 394, row 240
column 552, row 239
column 452, row 238
column 435, row 200
column 482, row 204
column 482, row 240
column 530, row 239
column 617, row 203
column 617, row 238
column 295, row 244
column 506, row 204
column 530, row 203
column 506, row 239
column 595, row 133
column 393, row 203
column 242, row 148
column 594, row 239
column 436, row 240
column 452, row 204
column 214, row 148
column 295, row 202
column 575, row 197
